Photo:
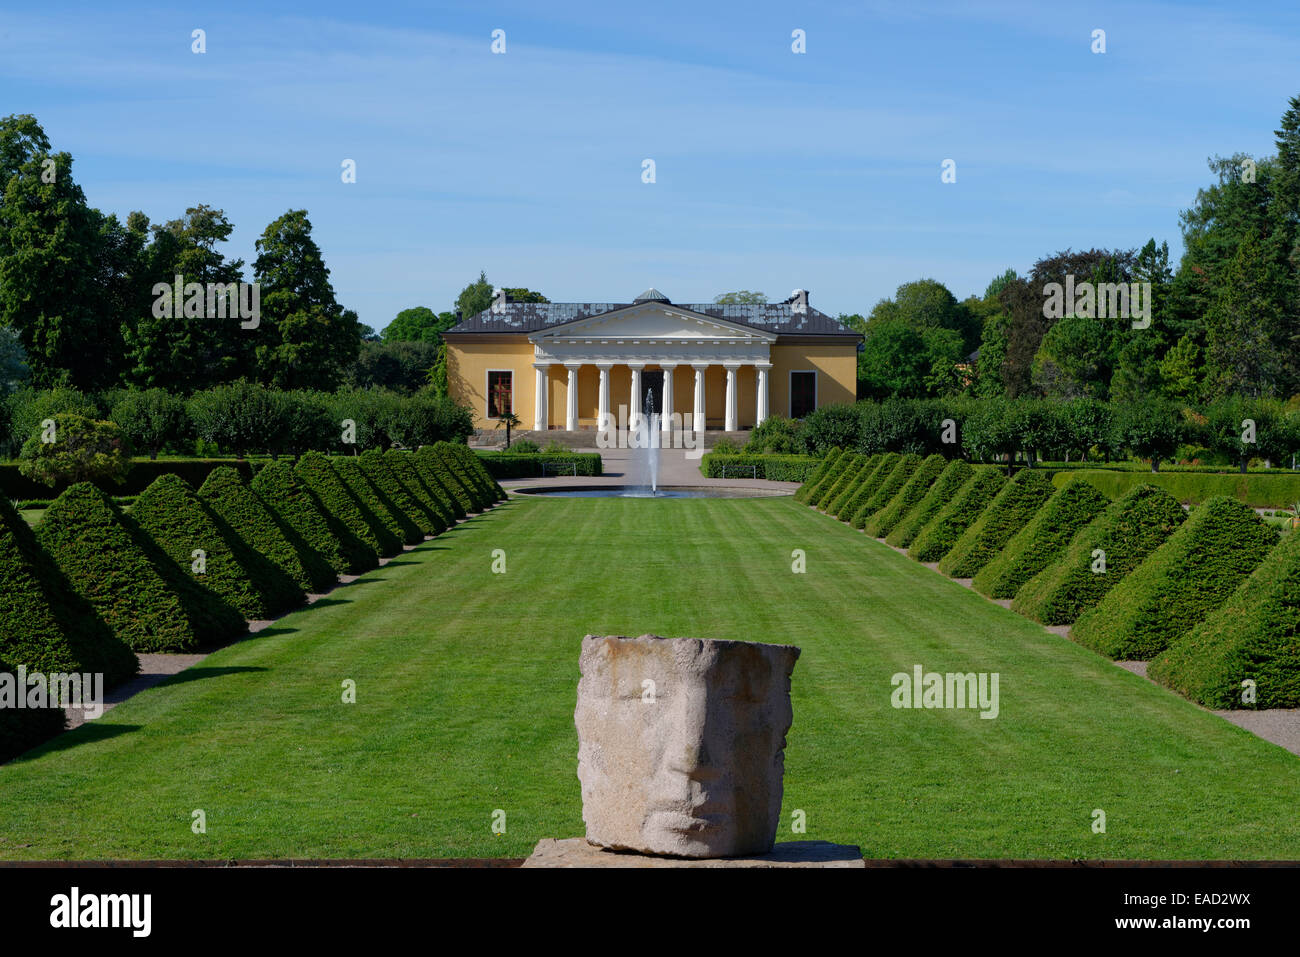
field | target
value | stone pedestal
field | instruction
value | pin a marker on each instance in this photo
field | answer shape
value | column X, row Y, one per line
column 576, row 852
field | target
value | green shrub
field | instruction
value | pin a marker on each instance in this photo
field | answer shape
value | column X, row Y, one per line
column 295, row 505
column 307, row 568
column 913, row 490
column 394, row 520
column 943, row 531
column 1254, row 636
column 403, row 467
column 336, row 499
column 437, row 470
column 849, row 478
column 945, row 487
column 819, row 473
column 1041, row 541
column 832, row 477
column 510, row 465
column 523, row 447
column 22, row 729
column 44, row 624
column 885, row 464
column 849, row 484
column 79, row 450
column 478, row 497
column 416, row 522
column 1012, row 509
column 1180, row 584
column 1125, row 534
column 775, row 435
column 13, row 485
column 247, row 517
column 151, row 420
column 180, row 523
column 28, row 408
column 774, row 468
column 886, row 489
column 725, row 445
column 1258, row 490
column 145, row 597
column 473, row 463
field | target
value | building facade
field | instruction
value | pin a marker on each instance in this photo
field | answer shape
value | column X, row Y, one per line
column 569, row 365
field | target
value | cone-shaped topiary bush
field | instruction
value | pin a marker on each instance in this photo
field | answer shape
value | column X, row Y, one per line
column 913, row 490
column 22, row 729
column 297, row 507
column 439, row 466
column 833, row 475
column 182, row 525
column 335, row 497
column 1115, row 542
column 1042, row 541
column 838, row 497
column 939, row 536
column 45, row 625
column 1255, row 637
column 1182, row 582
column 145, row 597
column 866, row 488
column 424, row 467
column 397, row 496
column 403, row 467
column 480, row 489
column 247, row 517
column 818, row 473
column 478, row 471
column 886, row 489
column 1012, row 509
column 955, row 474
column 380, row 505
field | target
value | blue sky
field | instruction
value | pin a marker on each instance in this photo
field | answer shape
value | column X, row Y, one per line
column 774, row 170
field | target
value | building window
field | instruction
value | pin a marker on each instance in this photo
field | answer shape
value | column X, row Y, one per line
column 803, row 393
column 500, row 392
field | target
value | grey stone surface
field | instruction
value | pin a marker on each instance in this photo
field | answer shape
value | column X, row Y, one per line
column 576, row 852
column 681, row 743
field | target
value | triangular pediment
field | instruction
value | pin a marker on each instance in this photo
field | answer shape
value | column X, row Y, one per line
column 652, row 320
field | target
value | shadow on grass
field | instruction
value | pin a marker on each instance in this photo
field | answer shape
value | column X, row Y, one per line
column 199, row 673
column 87, row 733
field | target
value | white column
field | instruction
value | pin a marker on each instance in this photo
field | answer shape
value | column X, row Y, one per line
column 731, row 421
column 665, row 422
column 540, row 418
column 602, row 411
column 634, row 414
column 761, row 388
column 571, row 412
column 698, row 423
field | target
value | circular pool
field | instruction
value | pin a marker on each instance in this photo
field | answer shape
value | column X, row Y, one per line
column 635, row 491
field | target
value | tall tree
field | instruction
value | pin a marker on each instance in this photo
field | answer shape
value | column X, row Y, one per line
column 305, row 339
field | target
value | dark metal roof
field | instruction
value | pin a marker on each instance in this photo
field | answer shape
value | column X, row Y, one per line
column 777, row 317
column 651, row 295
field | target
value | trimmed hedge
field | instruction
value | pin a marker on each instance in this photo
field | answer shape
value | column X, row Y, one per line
column 1127, row 532
column 832, row 476
column 1268, row 490
column 886, row 462
column 145, row 597
column 447, row 477
column 886, row 489
column 1186, row 579
column 248, row 518
column 478, row 496
column 473, row 470
column 15, row 485
column 424, row 468
column 839, row 505
column 1255, row 635
column 402, row 465
column 504, row 465
column 179, row 522
column 403, row 502
column 1013, row 509
column 290, row 500
column 1042, row 541
column 394, row 521
column 856, row 468
column 770, row 466
column 943, row 531
column 817, row 474
column 945, row 487
column 886, row 519
column 336, row 499
column 45, row 625
column 22, row 729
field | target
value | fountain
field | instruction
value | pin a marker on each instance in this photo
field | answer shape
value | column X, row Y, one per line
column 645, row 458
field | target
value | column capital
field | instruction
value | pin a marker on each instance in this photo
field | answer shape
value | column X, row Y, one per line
column 763, row 366
column 574, row 366
column 701, row 366
column 604, row 366
column 731, row 365
column 635, row 366
column 667, row 366
column 542, row 366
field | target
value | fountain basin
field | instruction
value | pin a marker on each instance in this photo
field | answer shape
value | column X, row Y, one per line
column 640, row 491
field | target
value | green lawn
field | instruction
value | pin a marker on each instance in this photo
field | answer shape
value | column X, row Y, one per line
column 465, row 694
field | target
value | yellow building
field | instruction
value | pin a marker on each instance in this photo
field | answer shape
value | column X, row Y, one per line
column 569, row 365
